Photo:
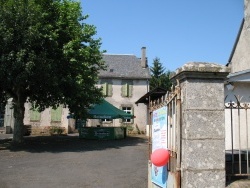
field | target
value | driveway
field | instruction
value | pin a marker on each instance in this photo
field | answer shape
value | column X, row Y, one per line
column 67, row 161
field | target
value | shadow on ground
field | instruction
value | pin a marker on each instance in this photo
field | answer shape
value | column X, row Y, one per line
column 57, row 144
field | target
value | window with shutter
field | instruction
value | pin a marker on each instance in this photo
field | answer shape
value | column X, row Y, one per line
column 109, row 94
column 56, row 115
column 107, row 89
column 130, row 89
column 104, row 89
column 35, row 115
column 127, row 88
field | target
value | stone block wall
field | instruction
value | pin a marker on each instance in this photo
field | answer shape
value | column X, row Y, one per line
column 202, row 124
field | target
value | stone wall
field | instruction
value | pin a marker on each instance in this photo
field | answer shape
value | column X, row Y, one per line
column 202, row 124
column 247, row 13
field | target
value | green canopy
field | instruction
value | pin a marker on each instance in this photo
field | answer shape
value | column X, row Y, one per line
column 105, row 110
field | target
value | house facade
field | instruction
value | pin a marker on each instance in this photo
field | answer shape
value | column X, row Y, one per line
column 237, row 85
column 240, row 57
column 239, row 61
column 124, row 81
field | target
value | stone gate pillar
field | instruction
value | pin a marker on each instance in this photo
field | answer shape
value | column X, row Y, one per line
column 202, row 124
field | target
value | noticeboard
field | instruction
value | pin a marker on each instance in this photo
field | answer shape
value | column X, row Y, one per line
column 159, row 140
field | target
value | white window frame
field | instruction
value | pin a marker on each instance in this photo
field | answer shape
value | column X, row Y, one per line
column 107, row 120
column 129, row 111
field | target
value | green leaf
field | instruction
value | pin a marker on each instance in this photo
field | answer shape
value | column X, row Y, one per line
column 48, row 56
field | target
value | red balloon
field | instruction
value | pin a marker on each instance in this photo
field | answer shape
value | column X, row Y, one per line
column 160, row 157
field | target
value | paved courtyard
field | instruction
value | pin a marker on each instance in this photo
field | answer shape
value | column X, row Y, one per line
column 68, row 161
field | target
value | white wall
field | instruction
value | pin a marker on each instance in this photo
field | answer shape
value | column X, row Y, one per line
column 46, row 117
column 140, row 110
column 241, row 131
column 241, row 57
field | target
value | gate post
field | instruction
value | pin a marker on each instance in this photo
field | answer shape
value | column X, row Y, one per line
column 202, row 125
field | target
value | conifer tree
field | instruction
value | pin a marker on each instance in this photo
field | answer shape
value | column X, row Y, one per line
column 159, row 77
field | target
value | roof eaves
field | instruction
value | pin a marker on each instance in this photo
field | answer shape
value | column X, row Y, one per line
column 156, row 91
column 238, row 73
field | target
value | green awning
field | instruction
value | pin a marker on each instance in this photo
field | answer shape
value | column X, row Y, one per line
column 105, row 110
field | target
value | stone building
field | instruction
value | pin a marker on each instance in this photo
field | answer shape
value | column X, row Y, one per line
column 237, row 86
column 124, row 82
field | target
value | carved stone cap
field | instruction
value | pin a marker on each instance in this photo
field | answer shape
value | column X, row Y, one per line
column 201, row 69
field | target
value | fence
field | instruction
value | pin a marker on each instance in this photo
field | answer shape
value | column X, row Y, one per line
column 196, row 126
column 237, row 115
column 172, row 101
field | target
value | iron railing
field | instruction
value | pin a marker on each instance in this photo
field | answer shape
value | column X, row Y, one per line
column 173, row 102
column 237, row 114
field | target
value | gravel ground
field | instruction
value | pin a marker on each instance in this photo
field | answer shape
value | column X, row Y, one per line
column 67, row 161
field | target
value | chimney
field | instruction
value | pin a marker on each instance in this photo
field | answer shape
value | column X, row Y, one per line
column 143, row 57
column 247, row 13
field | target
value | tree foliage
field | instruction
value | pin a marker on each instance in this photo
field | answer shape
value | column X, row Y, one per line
column 48, row 57
column 159, row 77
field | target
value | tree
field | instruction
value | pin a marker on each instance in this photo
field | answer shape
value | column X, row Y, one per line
column 159, row 77
column 48, row 57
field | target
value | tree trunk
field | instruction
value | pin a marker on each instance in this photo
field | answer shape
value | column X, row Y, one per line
column 18, row 124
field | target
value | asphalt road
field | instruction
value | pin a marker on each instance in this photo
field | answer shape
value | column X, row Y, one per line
column 44, row 162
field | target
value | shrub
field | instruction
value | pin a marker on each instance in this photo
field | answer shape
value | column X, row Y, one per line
column 56, row 130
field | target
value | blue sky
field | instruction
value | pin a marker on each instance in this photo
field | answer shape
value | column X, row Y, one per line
column 176, row 31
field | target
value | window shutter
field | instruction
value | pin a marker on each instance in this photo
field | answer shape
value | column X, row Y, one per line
column 130, row 89
column 132, row 112
column 124, row 90
column 104, row 89
column 109, row 94
column 56, row 115
column 35, row 115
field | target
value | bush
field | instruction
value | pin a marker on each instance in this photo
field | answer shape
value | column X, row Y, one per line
column 56, row 130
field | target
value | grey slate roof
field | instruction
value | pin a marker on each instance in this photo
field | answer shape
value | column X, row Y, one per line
column 124, row 66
